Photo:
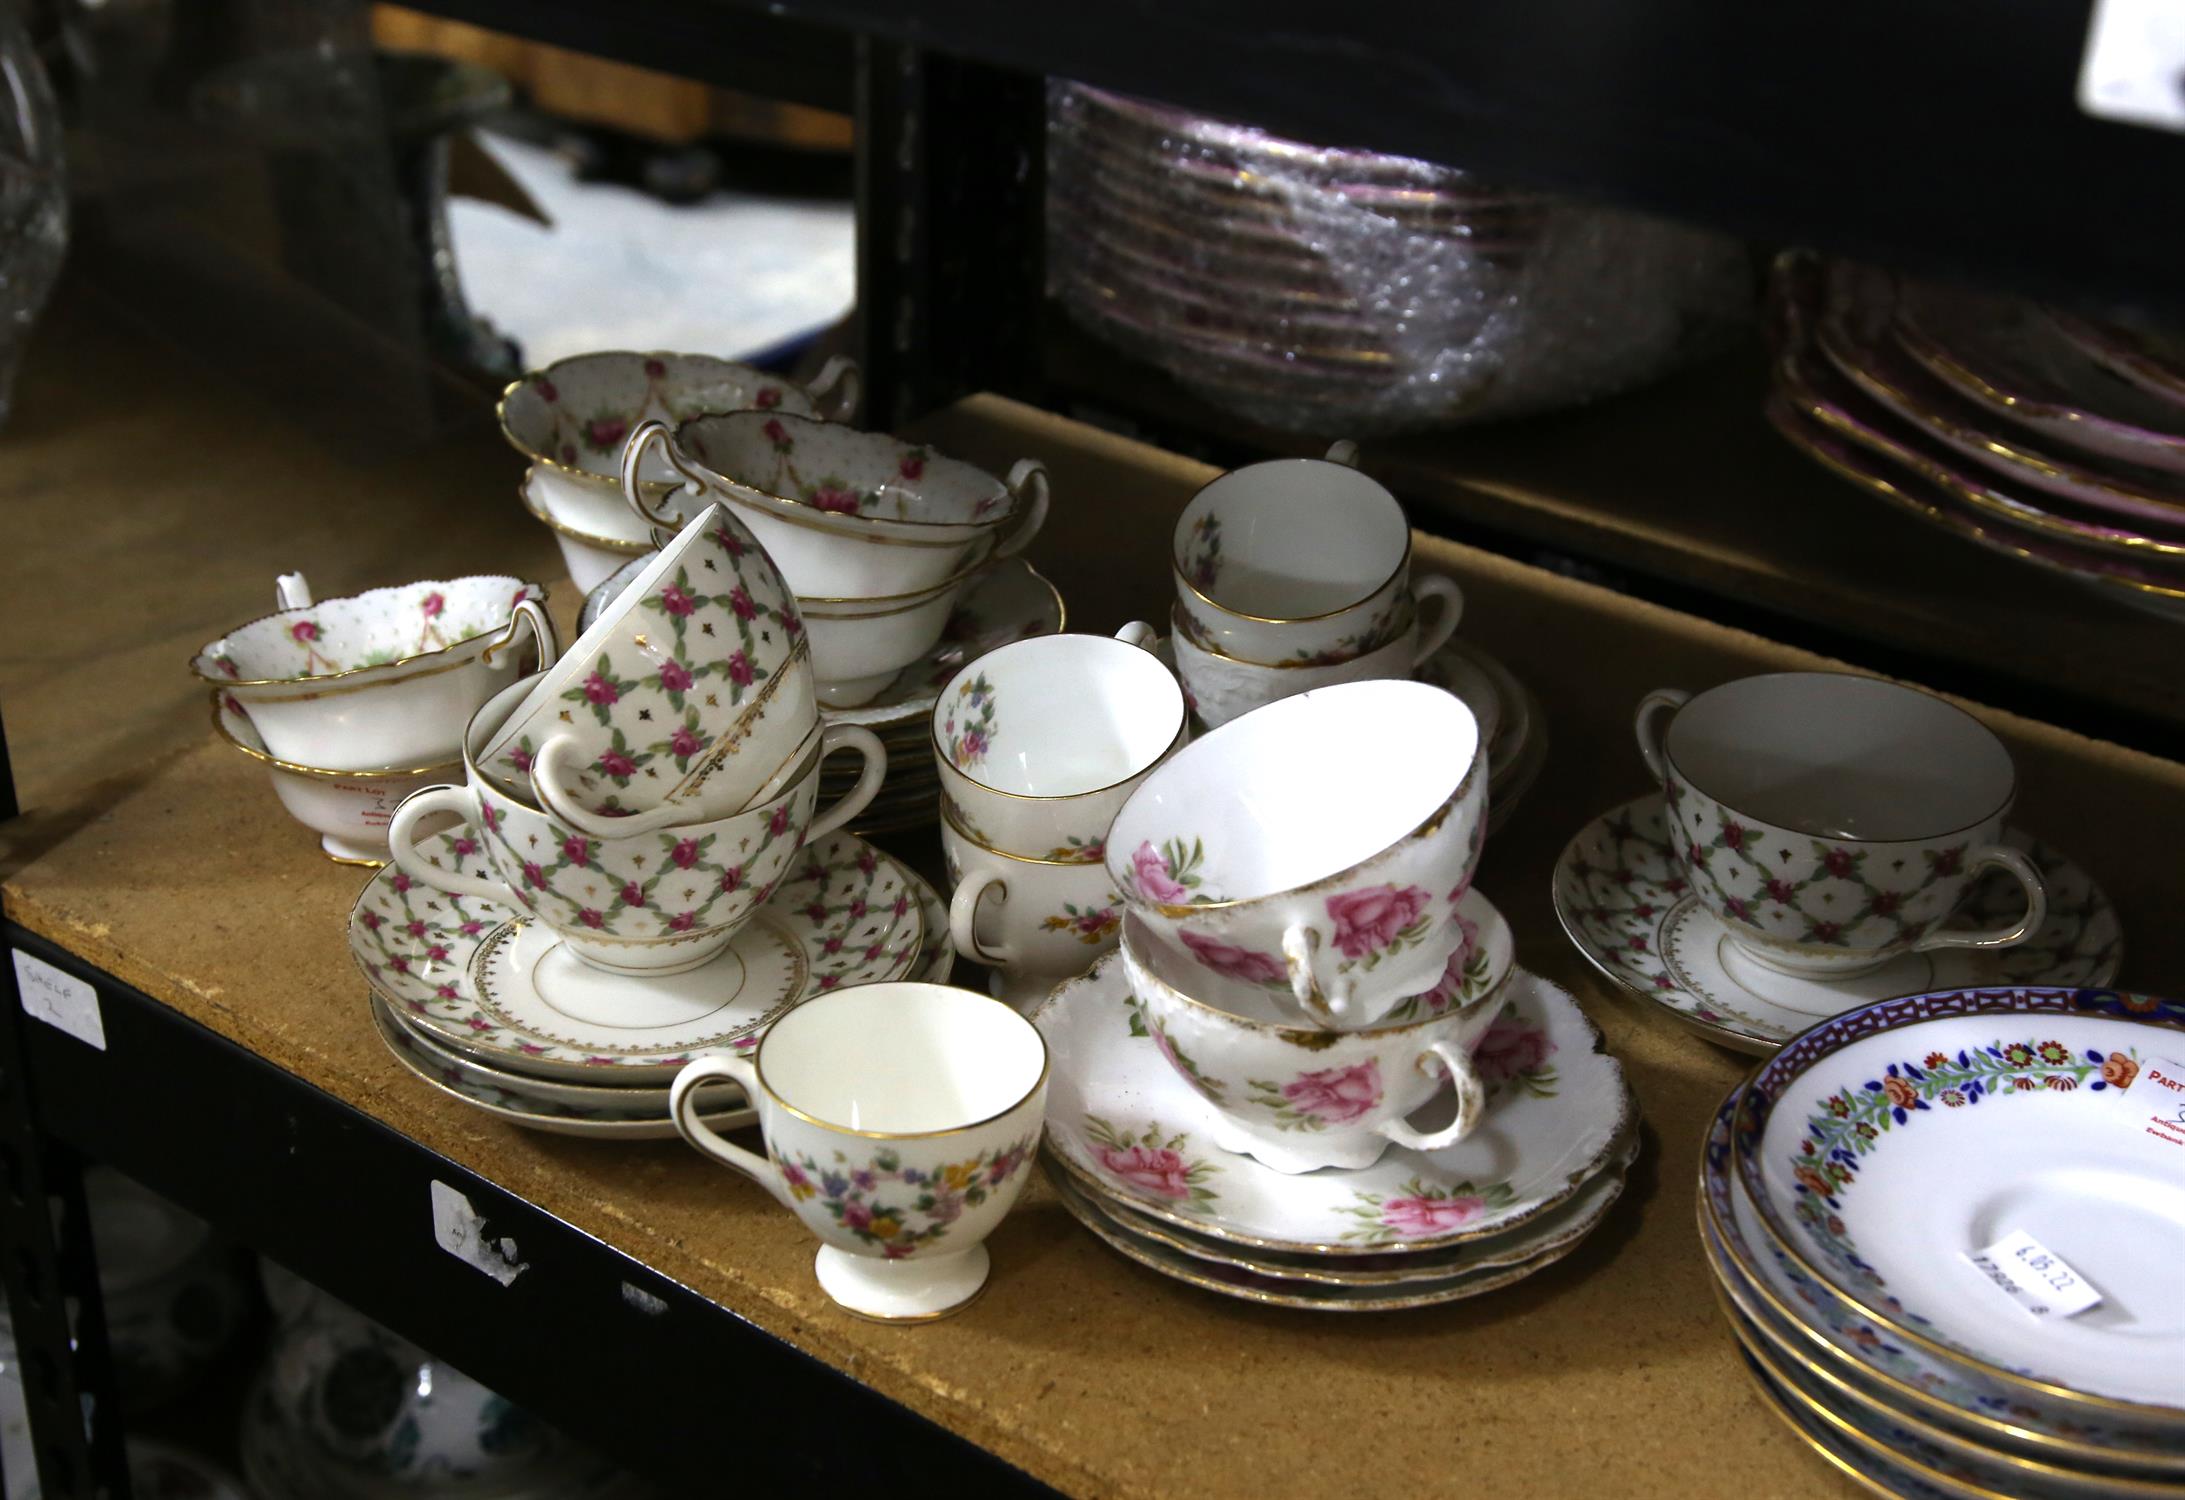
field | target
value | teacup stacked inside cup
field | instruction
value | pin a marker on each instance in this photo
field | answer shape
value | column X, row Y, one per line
column 1039, row 744
column 351, row 703
column 1295, row 574
column 878, row 538
column 1299, row 920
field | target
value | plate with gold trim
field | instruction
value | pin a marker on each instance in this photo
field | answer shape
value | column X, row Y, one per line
column 845, row 914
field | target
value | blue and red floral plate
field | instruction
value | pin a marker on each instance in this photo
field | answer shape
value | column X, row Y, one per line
column 1622, row 899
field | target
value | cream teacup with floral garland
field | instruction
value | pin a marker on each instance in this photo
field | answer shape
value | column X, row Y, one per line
column 1032, row 921
column 900, row 1123
column 1041, row 742
column 1321, row 843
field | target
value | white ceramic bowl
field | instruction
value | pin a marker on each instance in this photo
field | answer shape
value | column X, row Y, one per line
column 1325, row 839
column 388, row 677
column 348, row 810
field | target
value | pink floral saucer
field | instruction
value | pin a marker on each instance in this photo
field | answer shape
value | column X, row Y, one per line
column 1127, row 1129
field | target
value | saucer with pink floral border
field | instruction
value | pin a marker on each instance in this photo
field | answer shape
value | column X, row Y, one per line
column 1128, row 1129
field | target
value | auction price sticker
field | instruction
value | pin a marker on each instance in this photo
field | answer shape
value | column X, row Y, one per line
column 2034, row 1277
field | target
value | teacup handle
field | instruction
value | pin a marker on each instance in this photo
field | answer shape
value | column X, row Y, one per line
column 841, row 376
column 963, row 915
column 527, row 614
column 1298, row 943
column 683, row 1108
column 553, row 771
column 402, row 843
column 857, row 798
column 1342, row 451
column 1998, row 857
column 293, row 591
column 1471, row 1100
column 1449, row 601
column 642, row 436
column 1138, row 633
column 1642, row 724
column 1027, row 485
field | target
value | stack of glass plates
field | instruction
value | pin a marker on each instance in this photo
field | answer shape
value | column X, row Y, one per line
column 2029, row 433
column 458, row 997
column 1947, row 1231
column 1130, row 1154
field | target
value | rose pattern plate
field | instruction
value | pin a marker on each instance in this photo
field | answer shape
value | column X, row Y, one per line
column 1127, row 1124
column 418, row 948
column 1622, row 899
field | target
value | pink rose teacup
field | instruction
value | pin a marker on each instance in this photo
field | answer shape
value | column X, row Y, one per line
column 1320, row 845
column 1297, row 1098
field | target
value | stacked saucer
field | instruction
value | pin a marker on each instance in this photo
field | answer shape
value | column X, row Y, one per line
column 2027, row 432
column 1946, row 1231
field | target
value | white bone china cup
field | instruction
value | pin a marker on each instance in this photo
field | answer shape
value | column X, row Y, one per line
column 1032, row 921
column 1222, row 687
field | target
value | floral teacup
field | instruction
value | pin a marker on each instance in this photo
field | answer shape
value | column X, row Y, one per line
column 1299, row 1098
column 691, row 688
column 849, row 514
column 1321, row 843
column 1834, row 822
column 1041, row 742
column 900, row 1122
column 571, row 419
column 1301, row 560
column 388, row 677
column 655, row 902
column 1033, row 921
column 1222, row 687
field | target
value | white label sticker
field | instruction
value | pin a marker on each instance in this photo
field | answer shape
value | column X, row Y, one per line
column 457, row 1226
column 2034, row 1278
column 2134, row 63
column 2152, row 1108
column 59, row 999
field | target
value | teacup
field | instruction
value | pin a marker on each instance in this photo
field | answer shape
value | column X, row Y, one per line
column 1298, row 1098
column 900, row 1123
column 1222, row 687
column 691, row 689
column 572, row 418
column 1040, row 742
column 388, row 677
column 859, row 646
column 848, row 514
column 1300, row 560
column 651, row 903
column 1833, row 822
column 1323, row 840
column 349, row 810
column 1032, row 921
column 590, row 559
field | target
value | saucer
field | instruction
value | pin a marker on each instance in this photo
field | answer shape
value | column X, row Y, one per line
column 1621, row 897
column 426, row 953
column 450, row 1065
column 1883, row 1474
column 591, row 1122
column 1127, row 1126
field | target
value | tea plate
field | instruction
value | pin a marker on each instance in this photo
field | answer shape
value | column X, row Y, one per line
column 1128, row 1125
column 1769, row 1287
column 1557, row 1229
column 591, row 1122
column 1882, row 1148
column 1885, row 1476
column 421, row 949
column 1622, row 898
column 451, row 1065
column 1250, row 1286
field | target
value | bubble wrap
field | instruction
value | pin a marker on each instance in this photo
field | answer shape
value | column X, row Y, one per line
column 1331, row 291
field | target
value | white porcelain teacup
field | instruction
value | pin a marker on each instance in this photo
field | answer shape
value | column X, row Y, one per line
column 1223, row 687
column 388, row 677
column 900, row 1122
column 350, row 811
column 1032, row 921
column 1299, row 1098
column 1834, row 822
column 1300, row 560
column 1323, row 840
column 686, row 695
column 572, row 418
column 859, row 646
column 1040, row 742
column 591, row 559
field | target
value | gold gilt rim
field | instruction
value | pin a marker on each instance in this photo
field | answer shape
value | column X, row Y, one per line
column 656, row 486
column 1790, row 425
column 916, row 597
column 1179, row 624
column 354, row 861
column 378, row 666
column 1811, row 403
column 953, row 826
column 901, row 1320
column 539, row 513
column 758, row 1071
column 933, row 735
column 1176, row 563
column 2112, row 347
column 1777, row 1407
column 2059, row 1395
column 267, row 758
column 976, row 528
column 1714, row 1243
